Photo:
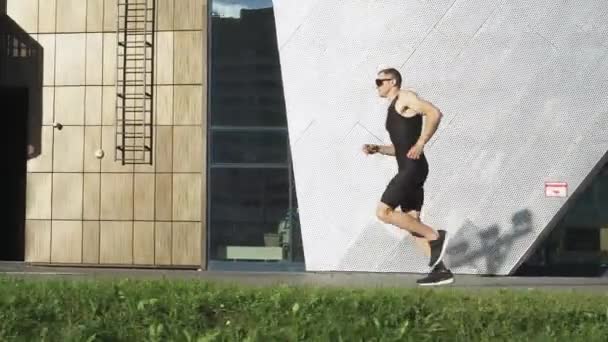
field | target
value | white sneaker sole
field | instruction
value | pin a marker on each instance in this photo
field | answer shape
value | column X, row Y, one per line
column 443, row 248
column 443, row 282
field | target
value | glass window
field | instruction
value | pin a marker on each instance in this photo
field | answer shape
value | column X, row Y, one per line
column 578, row 245
column 249, row 147
column 246, row 85
column 246, row 205
column 251, row 199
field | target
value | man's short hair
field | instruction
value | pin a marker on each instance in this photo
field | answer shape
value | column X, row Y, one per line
column 396, row 75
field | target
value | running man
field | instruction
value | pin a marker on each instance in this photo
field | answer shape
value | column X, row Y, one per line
column 404, row 124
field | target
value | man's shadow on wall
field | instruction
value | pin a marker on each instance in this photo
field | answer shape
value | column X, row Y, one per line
column 472, row 244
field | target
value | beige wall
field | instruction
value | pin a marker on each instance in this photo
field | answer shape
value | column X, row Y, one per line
column 81, row 209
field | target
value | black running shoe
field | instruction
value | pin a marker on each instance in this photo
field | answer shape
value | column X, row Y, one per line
column 437, row 248
column 436, row 278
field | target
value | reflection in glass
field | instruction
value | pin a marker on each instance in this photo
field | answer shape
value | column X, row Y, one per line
column 247, row 206
column 246, row 85
column 578, row 245
column 253, row 212
column 249, row 147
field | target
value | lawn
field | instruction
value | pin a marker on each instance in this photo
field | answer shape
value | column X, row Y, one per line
column 193, row 310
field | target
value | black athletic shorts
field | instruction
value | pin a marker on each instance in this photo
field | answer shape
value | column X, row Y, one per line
column 406, row 189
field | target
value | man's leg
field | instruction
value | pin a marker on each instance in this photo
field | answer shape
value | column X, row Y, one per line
column 436, row 239
column 440, row 274
column 422, row 243
column 404, row 221
column 406, row 192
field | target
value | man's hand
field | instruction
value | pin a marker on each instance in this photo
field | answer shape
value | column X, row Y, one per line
column 415, row 151
column 371, row 148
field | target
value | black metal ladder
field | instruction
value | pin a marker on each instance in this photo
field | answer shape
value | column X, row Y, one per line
column 134, row 136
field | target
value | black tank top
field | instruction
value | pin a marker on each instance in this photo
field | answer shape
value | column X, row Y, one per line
column 404, row 133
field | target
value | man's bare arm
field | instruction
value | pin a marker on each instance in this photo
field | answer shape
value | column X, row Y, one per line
column 431, row 113
column 387, row 150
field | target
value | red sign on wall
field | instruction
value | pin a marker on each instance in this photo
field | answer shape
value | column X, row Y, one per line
column 556, row 189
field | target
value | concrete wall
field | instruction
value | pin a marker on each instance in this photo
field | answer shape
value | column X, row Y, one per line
column 521, row 85
column 85, row 210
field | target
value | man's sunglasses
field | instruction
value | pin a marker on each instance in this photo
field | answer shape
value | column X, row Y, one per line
column 379, row 81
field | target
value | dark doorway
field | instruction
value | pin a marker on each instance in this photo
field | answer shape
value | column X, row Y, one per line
column 12, row 184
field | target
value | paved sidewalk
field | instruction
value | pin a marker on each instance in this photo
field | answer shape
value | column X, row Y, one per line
column 335, row 279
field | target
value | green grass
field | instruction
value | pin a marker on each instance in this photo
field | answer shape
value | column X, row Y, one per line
column 190, row 310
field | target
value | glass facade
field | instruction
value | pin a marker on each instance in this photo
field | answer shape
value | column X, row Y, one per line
column 578, row 245
column 252, row 205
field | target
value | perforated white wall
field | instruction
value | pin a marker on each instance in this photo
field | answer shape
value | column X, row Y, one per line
column 521, row 84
